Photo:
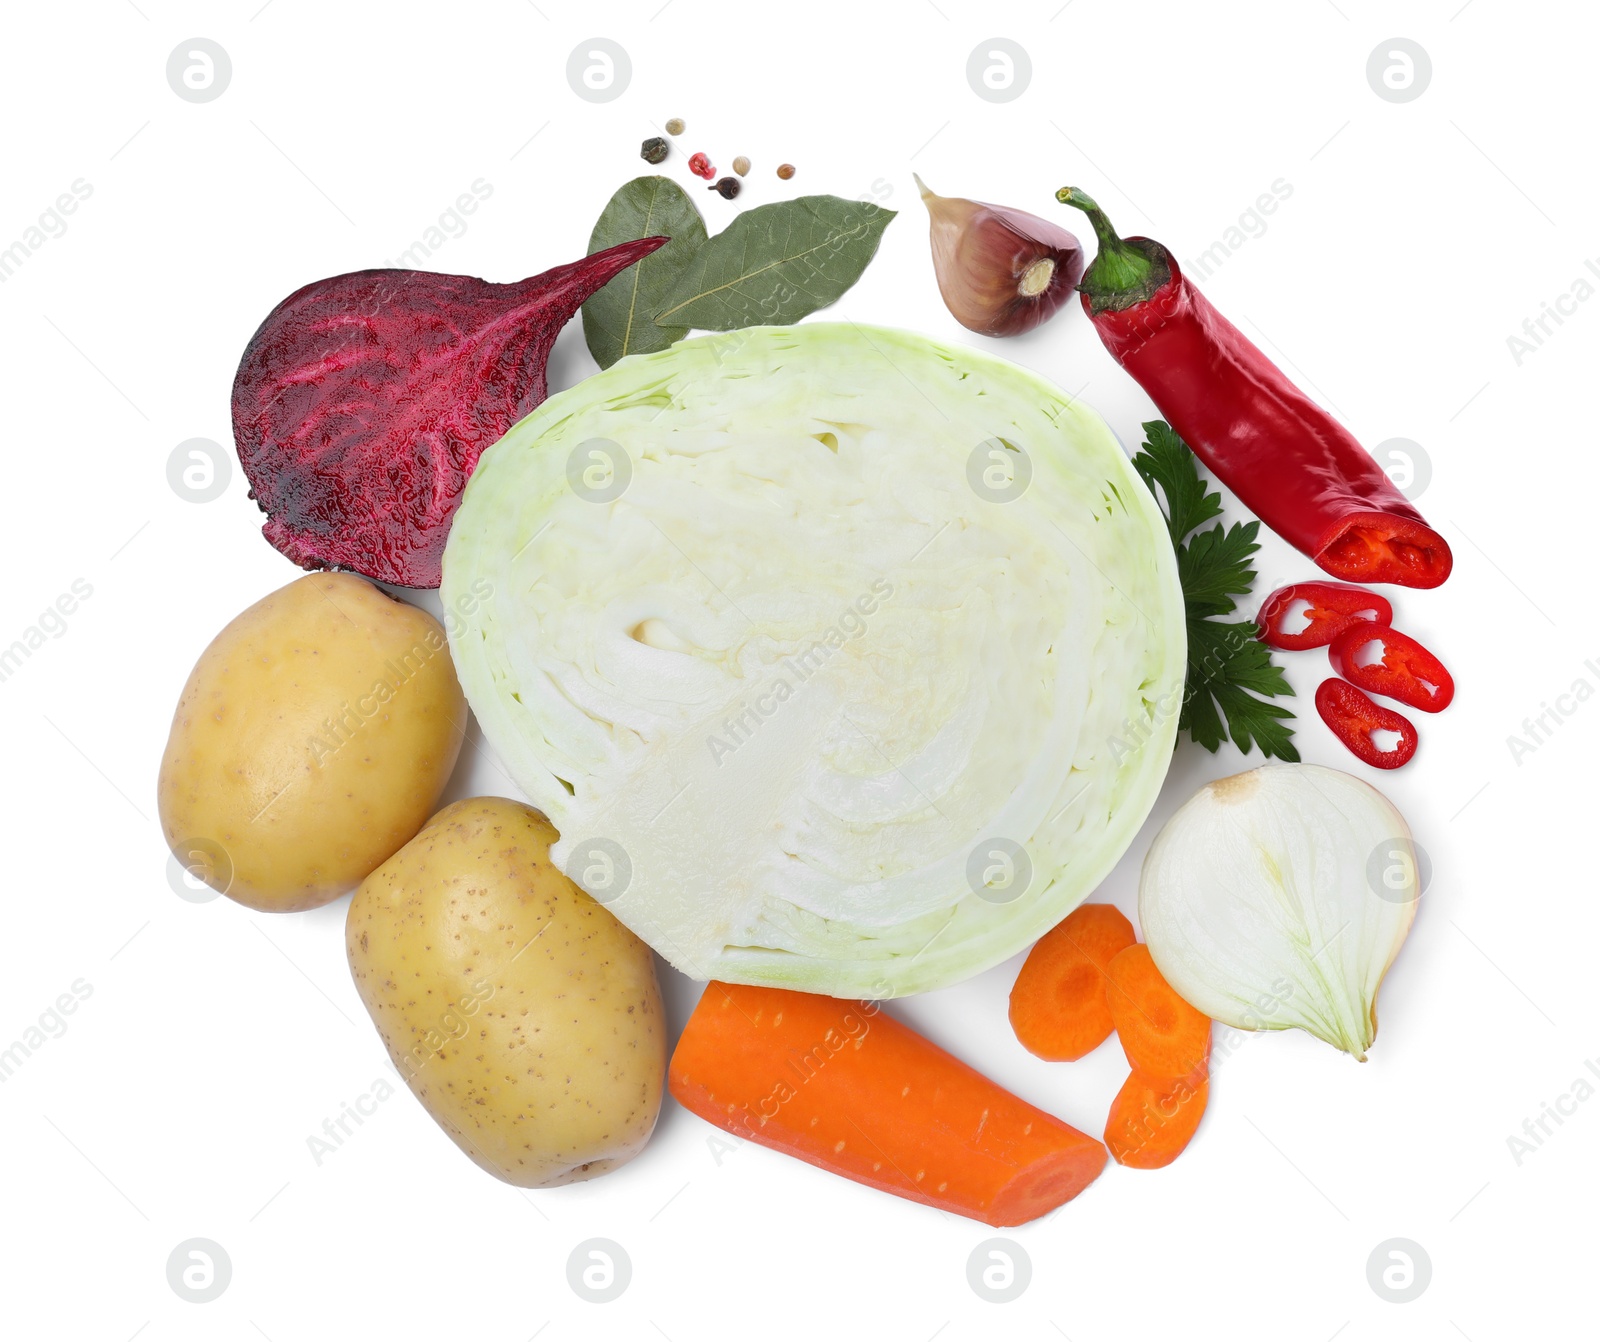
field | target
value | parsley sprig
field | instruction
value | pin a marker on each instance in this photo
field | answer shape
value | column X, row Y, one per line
column 1231, row 675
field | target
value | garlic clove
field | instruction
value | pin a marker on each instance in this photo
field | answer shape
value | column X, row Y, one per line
column 1001, row 271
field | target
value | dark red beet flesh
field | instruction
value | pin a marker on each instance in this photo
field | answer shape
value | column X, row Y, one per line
column 364, row 401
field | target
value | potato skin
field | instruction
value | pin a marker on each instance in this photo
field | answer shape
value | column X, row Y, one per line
column 311, row 742
column 522, row 1014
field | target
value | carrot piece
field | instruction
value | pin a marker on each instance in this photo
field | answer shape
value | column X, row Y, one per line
column 1153, row 1118
column 847, row 1088
column 1058, row 1003
column 1162, row 1034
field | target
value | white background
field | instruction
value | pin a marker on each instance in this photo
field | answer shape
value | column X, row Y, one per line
column 1418, row 237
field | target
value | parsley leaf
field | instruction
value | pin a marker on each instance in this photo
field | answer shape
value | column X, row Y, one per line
column 1231, row 676
column 1214, row 568
column 1228, row 668
column 1165, row 459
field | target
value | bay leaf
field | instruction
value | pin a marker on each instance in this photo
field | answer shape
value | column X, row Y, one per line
column 775, row 264
column 620, row 319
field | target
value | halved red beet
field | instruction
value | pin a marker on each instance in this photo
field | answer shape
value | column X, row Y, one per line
column 364, row 401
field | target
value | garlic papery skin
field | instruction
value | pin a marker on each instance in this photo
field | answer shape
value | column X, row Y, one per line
column 1001, row 271
column 1278, row 899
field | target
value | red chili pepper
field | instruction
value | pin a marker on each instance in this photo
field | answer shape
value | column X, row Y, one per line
column 1406, row 671
column 700, row 166
column 1291, row 463
column 1331, row 608
column 1353, row 717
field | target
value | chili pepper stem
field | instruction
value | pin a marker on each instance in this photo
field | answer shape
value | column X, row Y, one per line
column 1120, row 267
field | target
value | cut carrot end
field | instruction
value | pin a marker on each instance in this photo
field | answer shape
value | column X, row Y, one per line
column 1045, row 1185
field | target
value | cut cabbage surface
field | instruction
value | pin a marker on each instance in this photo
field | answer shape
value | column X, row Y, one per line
column 842, row 660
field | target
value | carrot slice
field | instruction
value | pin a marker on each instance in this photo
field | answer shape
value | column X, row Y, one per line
column 846, row 1088
column 1058, row 1003
column 1153, row 1118
column 1161, row 1033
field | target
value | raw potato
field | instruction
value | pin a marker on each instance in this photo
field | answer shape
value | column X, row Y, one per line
column 521, row 1013
column 311, row 741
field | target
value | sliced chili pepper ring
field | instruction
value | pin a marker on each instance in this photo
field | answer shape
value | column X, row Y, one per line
column 1331, row 608
column 1407, row 671
column 1353, row 717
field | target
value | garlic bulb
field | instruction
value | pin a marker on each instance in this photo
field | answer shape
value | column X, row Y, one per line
column 1001, row 271
column 1279, row 898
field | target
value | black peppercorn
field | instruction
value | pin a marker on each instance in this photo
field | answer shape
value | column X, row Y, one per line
column 727, row 187
column 653, row 150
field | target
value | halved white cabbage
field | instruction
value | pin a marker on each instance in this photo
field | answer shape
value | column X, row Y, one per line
column 842, row 660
